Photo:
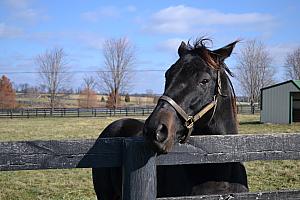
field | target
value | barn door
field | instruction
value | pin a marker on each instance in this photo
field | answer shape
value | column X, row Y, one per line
column 296, row 107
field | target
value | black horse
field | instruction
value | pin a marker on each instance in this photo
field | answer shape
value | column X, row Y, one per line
column 198, row 100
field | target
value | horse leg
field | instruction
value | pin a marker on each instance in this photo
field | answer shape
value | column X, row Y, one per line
column 107, row 183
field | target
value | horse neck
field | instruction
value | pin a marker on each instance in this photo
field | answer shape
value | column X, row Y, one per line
column 225, row 120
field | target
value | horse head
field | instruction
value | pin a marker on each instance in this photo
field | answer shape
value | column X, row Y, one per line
column 197, row 99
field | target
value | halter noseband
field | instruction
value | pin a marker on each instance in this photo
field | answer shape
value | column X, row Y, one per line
column 190, row 120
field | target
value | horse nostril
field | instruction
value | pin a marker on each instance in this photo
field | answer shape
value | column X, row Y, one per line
column 161, row 133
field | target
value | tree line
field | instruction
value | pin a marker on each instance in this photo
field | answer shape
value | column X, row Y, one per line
column 254, row 70
column 119, row 59
column 54, row 75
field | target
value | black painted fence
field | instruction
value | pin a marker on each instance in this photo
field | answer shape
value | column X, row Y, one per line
column 139, row 163
column 74, row 112
column 92, row 112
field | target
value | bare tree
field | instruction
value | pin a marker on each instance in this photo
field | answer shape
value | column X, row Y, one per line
column 53, row 72
column 89, row 82
column 292, row 63
column 88, row 97
column 119, row 59
column 254, row 70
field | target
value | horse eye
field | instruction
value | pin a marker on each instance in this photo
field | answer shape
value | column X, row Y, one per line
column 204, row 81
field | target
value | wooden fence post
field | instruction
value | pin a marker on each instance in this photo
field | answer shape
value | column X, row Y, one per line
column 139, row 171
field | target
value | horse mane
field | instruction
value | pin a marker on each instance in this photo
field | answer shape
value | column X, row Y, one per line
column 200, row 47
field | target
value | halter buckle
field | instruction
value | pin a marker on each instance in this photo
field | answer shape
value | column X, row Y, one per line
column 189, row 122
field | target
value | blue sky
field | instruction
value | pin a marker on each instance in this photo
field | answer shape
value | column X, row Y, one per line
column 156, row 28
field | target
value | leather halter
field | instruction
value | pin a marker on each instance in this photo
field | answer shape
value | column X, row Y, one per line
column 190, row 120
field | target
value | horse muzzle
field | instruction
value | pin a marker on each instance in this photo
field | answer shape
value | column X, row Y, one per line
column 160, row 130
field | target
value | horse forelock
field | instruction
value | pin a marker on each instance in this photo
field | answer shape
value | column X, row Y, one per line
column 200, row 48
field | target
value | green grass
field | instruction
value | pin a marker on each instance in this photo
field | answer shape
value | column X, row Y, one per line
column 77, row 183
column 249, row 124
column 52, row 128
column 270, row 175
column 49, row 184
column 46, row 184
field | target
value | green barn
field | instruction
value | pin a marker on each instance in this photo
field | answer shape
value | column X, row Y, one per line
column 280, row 103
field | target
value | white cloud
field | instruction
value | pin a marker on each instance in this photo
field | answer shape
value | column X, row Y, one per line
column 22, row 10
column 131, row 8
column 90, row 16
column 29, row 15
column 90, row 40
column 98, row 14
column 170, row 45
column 7, row 31
column 279, row 52
column 185, row 19
column 18, row 4
column 82, row 38
column 106, row 12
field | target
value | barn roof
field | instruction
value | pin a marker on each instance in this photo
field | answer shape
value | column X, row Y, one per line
column 295, row 82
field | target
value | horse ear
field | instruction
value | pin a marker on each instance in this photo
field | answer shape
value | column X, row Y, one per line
column 182, row 49
column 226, row 51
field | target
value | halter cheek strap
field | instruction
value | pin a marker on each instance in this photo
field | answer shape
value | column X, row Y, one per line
column 189, row 120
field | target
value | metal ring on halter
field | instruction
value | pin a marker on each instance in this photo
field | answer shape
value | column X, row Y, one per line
column 190, row 122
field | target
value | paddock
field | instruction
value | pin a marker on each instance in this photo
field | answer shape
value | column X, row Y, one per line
column 139, row 163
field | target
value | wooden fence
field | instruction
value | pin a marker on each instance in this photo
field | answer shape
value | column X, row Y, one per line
column 91, row 112
column 139, row 162
column 74, row 112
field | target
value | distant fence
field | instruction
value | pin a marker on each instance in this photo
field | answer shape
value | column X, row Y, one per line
column 74, row 112
column 92, row 112
column 245, row 108
column 139, row 162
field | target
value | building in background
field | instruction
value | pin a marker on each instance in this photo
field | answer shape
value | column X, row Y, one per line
column 280, row 103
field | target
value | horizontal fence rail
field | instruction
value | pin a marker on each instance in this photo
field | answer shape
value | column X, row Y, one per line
column 278, row 195
column 92, row 112
column 139, row 162
column 107, row 152
column 75, row 112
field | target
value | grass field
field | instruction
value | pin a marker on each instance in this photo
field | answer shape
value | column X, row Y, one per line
column 77, row 183
column 71, row 100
